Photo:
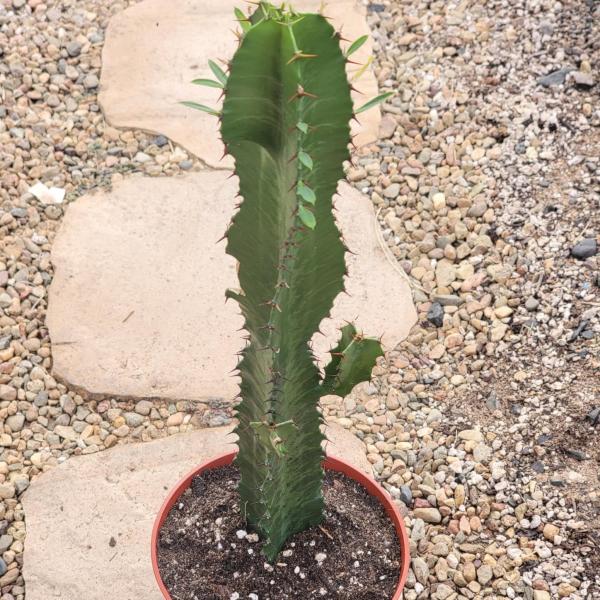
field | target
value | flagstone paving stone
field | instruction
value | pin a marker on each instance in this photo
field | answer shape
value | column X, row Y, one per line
column 137, row 305
column 173, row 43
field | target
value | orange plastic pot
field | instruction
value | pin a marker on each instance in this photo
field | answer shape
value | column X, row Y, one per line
column 331, row 464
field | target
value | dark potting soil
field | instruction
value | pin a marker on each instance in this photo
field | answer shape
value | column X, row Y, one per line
column 205, row 553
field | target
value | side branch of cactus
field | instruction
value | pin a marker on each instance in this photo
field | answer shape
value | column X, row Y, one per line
column 352, row 361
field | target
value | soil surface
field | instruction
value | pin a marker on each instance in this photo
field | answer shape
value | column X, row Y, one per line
column 206, row 553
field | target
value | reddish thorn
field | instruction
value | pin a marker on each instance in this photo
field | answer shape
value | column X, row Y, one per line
column 299, row 55
column 301, row 93
column 340, row 37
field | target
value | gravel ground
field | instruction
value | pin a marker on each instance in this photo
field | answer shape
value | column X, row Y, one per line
column 52, row 130
column 487, row 183
column 488, row 186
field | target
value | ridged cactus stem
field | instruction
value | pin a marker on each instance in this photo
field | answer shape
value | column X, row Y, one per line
column 289, row 249
column 285, row 120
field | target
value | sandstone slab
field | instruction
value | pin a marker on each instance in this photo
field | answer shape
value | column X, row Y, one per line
column 172, row 43
column 137, row 306
column 89, row 520
column 137, row 309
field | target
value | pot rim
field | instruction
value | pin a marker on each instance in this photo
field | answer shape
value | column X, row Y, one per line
column 330, row 463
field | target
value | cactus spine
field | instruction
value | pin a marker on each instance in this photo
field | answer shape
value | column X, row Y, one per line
column 285, row 121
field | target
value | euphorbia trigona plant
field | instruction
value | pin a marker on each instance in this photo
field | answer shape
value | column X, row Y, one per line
column 285, row 120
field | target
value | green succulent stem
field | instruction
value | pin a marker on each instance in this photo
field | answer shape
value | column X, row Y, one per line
column 285, row 121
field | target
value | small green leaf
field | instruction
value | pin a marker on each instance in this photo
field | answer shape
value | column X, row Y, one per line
column 307, row 217
column 356, row 45
column 306, row 160
column 202, row 107
column 306, row 193
column 374, row 102
column 208, row 83
column 242, row 18
column 219, row 73
column 362, row 70
column 303, row 127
